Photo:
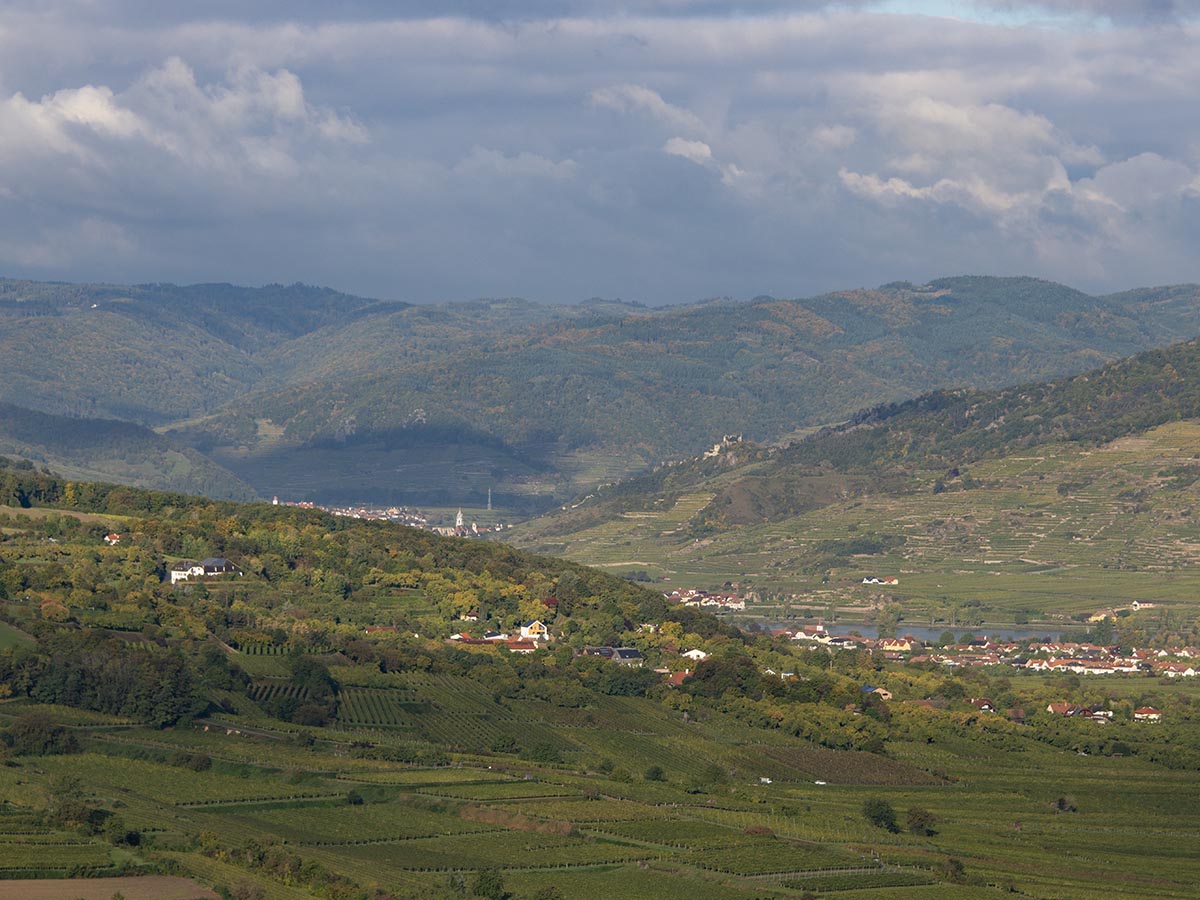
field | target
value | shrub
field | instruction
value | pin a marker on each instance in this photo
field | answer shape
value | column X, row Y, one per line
column 490, row 884
column 920, row 821
column 36, row 734
column 880, row 814
column 197, row 762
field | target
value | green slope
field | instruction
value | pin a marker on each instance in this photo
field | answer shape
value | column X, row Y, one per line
column 653, row 382
column 109, row 450
column 148, row 353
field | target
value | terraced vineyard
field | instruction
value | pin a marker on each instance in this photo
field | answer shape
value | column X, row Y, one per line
column 413, row 827
column 1057, row 528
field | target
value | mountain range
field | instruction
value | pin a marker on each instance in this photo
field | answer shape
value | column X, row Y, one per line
column 312, row 394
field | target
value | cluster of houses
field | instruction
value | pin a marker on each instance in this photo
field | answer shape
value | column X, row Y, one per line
column 1100, row 715
column 626, row 656
column 533, row 635
column 892, row 648
column 882, row 581
column 715, row 601
column 1033, row 656
column 401, row 514
column 463, row 530
column 1074, row 658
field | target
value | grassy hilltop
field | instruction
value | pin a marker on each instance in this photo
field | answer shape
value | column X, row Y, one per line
column 304, row 729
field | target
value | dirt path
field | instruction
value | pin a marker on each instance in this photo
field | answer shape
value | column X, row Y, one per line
column 141, row 887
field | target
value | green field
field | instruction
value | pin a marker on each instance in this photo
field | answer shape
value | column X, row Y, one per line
column 418, row 826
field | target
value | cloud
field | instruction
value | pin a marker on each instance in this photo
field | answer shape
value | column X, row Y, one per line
column 629, row 98
column 833, row 137
column 523, row 165
column 697, row 151
column 664, row 150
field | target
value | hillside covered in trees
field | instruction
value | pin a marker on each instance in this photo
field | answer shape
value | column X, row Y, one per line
column 940, row 433
column 110, row 449
column 280, row 382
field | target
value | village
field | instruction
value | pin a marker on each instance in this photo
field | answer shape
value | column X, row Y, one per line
column 402, row 515
column 675, row 664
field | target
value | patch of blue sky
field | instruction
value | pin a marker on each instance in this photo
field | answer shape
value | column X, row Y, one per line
column 1014, row 16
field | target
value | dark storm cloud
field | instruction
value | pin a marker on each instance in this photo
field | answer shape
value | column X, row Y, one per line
column 663, row 151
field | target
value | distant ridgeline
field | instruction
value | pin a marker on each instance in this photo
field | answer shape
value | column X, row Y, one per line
column 311, row 394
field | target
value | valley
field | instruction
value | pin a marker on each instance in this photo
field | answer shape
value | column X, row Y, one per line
column 277, row 702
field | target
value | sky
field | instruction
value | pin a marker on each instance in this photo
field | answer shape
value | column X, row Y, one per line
column 662, row 151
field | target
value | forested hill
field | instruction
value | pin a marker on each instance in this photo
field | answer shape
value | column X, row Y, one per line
column 877, row 449
column 89, row 449
column 659, row 382
column 148, row 353
column 958, row 426
column 296, row 566
column 268, row 380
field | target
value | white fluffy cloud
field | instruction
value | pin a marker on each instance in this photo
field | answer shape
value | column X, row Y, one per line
column 673, row 150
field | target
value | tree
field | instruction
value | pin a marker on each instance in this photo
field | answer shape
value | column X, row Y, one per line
column 953, row 870
column 36, row 734
column 880, row 814
column 245, row 890
column 655, row 773
column 887, row 620
column 920, row 821
column 118, row 833
column 489, row 883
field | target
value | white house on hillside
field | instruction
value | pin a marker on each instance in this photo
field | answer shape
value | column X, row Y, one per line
column 213, row 567
column 535, row 630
